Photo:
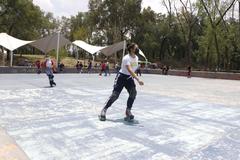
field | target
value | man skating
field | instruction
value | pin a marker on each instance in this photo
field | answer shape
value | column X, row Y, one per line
column 125, row 78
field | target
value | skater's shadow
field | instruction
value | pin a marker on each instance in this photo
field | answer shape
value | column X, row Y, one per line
column 47, row 87
column 134, row 123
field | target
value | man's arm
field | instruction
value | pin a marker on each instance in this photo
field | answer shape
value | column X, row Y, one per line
column 134, row 75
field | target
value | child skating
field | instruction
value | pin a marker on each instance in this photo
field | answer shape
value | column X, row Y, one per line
column 125, row 78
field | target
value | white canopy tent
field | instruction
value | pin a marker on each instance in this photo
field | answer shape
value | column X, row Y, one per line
column 56, row 41
column 87, row 47
column 107, row 51
column 51, row 42
column 11, row 44
column 110, row 50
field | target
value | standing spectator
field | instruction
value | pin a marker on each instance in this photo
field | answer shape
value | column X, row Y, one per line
column 38, row 65
column 138, row 71
column 164, row 68
column 61, row 66
column 103, row 68
column 189, row 68
column 117, row 67
column 96, row 65
column 107, row 71
column 79, row 66
column 89, row 66
column 167, row 69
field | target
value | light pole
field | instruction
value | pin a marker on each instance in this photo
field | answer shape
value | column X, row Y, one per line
column 11, row 58
column 58, row 40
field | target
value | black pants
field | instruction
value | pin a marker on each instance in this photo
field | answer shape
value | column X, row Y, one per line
column 122, row 81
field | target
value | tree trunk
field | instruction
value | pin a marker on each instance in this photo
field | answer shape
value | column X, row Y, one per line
column 207, row 60
column 239, row 15
column 189, row 47
column 217, row 49
column 161, row 50
column 10, row 29
column 227, row 62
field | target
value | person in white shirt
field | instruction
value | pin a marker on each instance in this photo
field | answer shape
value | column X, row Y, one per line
column 49, row 67
column 125, row 78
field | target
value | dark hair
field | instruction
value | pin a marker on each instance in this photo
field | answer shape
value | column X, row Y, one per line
column 130, row 46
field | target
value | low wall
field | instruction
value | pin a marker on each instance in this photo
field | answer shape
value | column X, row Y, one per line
column 16, row 70
column 203, row 74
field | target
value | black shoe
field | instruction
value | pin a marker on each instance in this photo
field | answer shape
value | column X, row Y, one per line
column 51, row 84
column 129, row 114
column 102, row 116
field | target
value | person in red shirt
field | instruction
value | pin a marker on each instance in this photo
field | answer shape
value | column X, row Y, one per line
column 103, row 68
column 38, row 64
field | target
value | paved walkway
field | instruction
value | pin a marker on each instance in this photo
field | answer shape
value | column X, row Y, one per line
column 9, row 150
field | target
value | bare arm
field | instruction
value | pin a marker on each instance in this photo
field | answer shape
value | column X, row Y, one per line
column 134, row 75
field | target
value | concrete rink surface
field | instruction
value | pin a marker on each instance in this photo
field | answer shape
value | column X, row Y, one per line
column 178, row 118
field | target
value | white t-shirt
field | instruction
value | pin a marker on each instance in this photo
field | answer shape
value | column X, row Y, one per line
column 49, row 63
column 128, row 60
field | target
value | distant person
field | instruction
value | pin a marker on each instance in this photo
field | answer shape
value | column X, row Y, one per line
column 107, row 71
column 167, row 69
column 26, row 63
column 38, row 65
column 125, row 79
column 138, row 71
column 117, row 67
column 49, row 69
column 164, row 68
column 103, row 68
column 189, row 73
column 96, row 65
column 61, row 67
column 89, row 68
column 79, row 66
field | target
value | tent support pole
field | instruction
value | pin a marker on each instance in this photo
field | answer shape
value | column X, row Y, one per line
column 124, row 48
column 146, row 65
column 58, row 39
column 3, row 58
column 11, row 60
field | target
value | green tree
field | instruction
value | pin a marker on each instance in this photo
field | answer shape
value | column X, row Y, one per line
column 22, row 19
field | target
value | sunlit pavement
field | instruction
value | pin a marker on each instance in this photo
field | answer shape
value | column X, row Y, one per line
column 178, row 118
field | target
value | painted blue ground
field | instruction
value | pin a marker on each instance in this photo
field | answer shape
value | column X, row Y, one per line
column 179, row 118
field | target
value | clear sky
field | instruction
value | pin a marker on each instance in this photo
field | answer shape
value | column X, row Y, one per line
column 72, row 7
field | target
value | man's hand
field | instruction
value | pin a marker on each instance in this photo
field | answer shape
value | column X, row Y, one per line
column 141, row 83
